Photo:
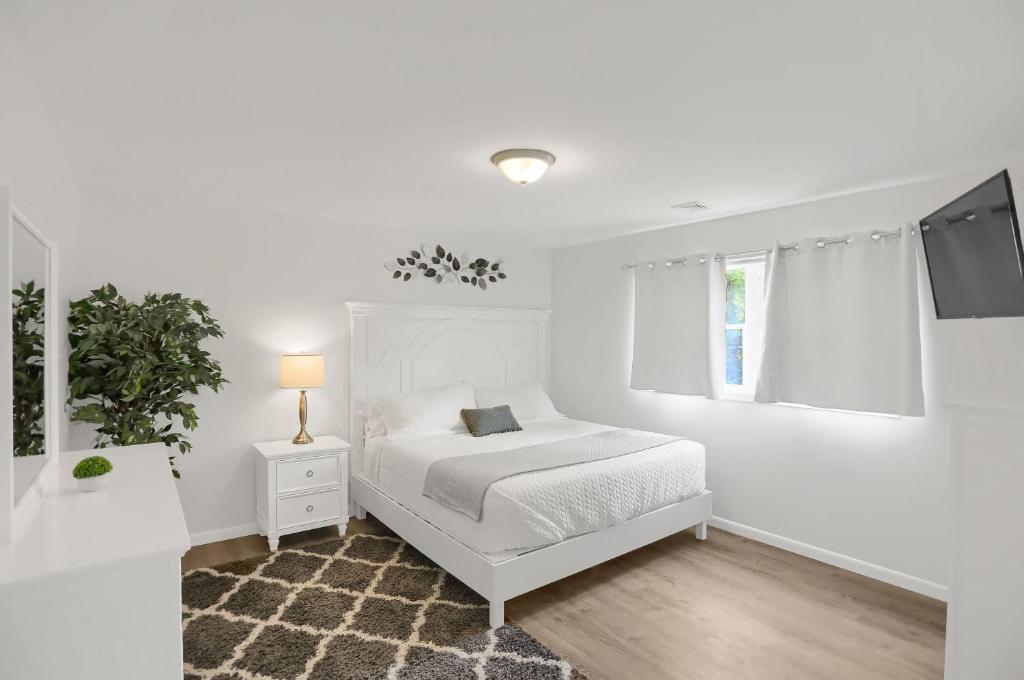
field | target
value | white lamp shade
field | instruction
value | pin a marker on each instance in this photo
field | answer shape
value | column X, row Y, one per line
column 302, row 371
column 523, row 165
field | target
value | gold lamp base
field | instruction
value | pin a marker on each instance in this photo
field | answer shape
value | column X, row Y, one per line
column 302, row 437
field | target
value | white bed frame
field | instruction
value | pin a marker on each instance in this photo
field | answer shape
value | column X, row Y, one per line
column 400, row 348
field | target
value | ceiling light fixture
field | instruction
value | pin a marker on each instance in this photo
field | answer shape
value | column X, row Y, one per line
column 523, row 165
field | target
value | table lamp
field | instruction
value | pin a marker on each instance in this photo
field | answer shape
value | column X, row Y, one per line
column 301, row 372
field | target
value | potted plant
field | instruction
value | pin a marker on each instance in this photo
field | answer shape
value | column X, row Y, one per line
column 133, row 365
column 91, row 473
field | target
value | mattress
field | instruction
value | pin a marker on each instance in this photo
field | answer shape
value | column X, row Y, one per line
column 536, row 509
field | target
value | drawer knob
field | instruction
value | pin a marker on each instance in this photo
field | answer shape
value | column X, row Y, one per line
column 309, row 508
column 309, row 473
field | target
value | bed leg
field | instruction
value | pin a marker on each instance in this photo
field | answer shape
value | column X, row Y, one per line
column 497, row 613
column 360, row 511
column 702, row 531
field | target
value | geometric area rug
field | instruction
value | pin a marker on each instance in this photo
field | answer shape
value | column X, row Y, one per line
column 361, row 607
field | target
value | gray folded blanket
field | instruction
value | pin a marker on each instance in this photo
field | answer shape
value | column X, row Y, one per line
column 460, row 482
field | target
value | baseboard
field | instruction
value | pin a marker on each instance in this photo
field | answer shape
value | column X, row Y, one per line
column 227, row 533
column 877, row 572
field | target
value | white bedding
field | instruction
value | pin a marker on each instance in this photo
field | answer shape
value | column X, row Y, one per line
column 532, row 510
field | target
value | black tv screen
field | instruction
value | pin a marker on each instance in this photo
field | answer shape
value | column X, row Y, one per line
column 974, row 254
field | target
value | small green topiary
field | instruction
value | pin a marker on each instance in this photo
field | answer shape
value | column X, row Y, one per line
column 93, row 466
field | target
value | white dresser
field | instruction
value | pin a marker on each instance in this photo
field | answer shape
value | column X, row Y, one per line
column 301, row 486
column 91, row 589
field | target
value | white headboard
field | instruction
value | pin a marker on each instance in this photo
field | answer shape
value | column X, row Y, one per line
column 402, row 348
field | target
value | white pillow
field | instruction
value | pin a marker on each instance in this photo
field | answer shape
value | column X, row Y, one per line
column 427, row 412
column 374, row 424
column 528, row 401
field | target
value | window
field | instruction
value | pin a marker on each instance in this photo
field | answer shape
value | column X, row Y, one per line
column 744, row 324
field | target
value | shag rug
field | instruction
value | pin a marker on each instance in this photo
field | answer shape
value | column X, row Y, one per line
column 360, row 607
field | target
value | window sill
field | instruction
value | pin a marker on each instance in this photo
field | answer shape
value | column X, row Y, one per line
column 732, row 394
column 873, row 414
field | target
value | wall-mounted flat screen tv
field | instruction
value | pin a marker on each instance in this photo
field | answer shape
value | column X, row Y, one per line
column 974, row 253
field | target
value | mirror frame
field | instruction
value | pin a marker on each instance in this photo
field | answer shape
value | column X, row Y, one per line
column 14, row 516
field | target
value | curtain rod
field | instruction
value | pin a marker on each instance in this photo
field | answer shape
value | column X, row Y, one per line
column 821, row 243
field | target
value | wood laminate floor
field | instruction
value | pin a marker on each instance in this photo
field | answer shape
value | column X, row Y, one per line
column 726, row 608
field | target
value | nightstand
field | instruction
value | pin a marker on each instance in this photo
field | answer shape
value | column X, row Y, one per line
column 301, row 486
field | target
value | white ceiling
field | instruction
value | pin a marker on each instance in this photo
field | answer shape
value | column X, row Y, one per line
column 385, row 113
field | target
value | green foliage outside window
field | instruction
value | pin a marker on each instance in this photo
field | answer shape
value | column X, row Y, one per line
column 133, row 364
column 735, row 313
column 735, row 296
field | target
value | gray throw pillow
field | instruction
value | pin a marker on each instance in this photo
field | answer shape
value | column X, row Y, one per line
column 484, row 421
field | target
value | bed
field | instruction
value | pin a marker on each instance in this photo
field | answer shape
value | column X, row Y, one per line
column 537, row 527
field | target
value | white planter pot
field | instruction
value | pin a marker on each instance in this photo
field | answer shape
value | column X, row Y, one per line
column 92, row 483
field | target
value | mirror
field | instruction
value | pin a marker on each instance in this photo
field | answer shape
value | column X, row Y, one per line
column 30, row 264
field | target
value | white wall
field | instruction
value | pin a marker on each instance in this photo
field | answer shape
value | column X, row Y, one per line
column 277, row 283
column 869, row 487
column 986, row 613
column 33, row 165
column 32, row 162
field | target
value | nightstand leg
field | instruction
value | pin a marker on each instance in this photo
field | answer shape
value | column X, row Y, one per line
column 360, row 511
column 273, row 542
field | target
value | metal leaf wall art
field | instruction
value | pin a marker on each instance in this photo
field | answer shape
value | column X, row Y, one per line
column 443, row 266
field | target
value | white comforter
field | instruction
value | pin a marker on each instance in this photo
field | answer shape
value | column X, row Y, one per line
column 528, row 511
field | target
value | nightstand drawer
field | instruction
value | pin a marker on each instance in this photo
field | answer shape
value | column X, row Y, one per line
column 308, row 473
column 308, row 508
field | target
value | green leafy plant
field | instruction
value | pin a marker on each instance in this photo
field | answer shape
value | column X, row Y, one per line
column 27, row 318
column 132, row 365
column 93, row 466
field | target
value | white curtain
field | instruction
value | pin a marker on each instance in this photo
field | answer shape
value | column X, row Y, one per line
column 678, row 343
column 842, row 326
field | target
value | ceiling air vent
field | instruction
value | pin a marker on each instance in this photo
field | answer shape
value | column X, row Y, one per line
column 692, row 206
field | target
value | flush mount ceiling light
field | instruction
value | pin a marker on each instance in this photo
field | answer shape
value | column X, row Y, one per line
column 523, row 165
